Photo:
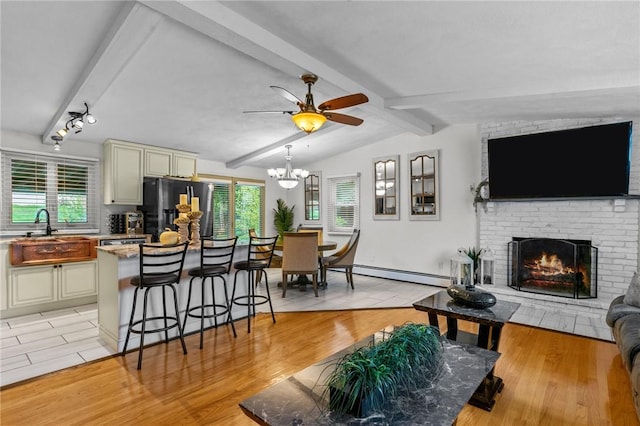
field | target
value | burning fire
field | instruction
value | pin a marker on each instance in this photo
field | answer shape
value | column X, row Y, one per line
column 550, row 265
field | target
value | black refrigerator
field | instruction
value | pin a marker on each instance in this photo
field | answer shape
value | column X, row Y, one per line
column 159, row 199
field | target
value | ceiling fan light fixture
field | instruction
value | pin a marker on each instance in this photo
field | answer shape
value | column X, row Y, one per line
column 308, row 121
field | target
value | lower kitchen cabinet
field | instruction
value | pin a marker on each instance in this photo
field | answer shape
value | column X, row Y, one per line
column 32, row 285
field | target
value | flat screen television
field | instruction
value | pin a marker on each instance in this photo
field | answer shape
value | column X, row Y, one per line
column 586, row 162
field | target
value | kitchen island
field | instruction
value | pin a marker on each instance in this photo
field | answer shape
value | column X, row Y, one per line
column 118, row 264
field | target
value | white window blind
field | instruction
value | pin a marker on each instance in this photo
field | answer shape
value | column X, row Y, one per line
column 344, row 203
column 65, row 187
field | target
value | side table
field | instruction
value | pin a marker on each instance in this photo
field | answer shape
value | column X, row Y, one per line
column 490, row 321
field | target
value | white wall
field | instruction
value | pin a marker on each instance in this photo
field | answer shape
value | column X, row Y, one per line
column 416, row 246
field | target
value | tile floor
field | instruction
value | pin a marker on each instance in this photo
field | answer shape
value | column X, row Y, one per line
column 37, row 344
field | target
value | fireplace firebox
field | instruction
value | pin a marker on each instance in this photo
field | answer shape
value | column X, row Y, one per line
column 565, row 268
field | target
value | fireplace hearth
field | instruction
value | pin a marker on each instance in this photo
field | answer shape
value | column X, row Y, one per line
column 565, row 268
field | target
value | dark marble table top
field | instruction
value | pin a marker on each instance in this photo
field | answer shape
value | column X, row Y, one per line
column 437, row 401
column 442, row 304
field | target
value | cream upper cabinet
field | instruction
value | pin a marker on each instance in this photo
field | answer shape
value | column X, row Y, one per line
column 122, row 173
column 184, row 164
column 160, row 162
column 157, row 162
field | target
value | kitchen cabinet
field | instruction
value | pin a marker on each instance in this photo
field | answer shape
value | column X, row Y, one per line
column 184, row 164
column 122, row 173
column 160, row 162
column 34, row 285
column 157, row 162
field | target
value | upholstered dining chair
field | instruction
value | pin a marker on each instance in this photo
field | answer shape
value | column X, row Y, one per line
column 299, row 256
column 311, row 228
column 342, row 259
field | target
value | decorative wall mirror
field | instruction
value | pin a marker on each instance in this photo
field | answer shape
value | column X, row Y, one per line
column 425, row 185
column 312, row 197
column 385, row 190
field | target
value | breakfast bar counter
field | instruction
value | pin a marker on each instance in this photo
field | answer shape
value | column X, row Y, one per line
column 116, row 266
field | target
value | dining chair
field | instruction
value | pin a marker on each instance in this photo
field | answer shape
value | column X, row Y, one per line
column 259, row 253
column 160, row 268
column 342, row 259
column 299, row 256
column 216, row 256
column 312, row 228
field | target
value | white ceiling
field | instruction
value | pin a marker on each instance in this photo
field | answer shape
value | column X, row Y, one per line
column 180, row 74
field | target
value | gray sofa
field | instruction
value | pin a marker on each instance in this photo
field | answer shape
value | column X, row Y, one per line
column 624, row 321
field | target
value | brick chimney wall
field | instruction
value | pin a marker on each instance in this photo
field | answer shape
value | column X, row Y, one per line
column 612, row 225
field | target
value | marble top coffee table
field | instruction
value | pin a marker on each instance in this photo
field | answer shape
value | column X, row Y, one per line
column 298, row 399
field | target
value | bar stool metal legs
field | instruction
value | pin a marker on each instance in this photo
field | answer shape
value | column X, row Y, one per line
column 169, row 321
column 216, row 309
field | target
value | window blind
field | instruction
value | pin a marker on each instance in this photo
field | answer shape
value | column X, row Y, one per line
column 66, row 187
column 344, row 203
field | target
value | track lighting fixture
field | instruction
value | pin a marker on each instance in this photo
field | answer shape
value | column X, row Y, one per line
column 57, row 139
column 77, row 121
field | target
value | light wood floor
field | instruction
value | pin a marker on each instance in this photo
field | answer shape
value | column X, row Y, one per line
column 550, row 378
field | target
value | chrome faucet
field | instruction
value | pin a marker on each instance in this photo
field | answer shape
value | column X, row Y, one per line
column 49, row 230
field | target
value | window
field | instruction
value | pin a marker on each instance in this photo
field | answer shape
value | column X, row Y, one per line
column 344, row 203
column 66, row 187
column 237, row 210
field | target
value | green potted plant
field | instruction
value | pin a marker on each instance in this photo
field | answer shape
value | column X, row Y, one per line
column 283, row 218
column 364, row 379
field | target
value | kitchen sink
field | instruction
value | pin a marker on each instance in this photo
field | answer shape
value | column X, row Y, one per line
column 55, row 249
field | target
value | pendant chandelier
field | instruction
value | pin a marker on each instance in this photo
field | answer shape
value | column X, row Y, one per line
column 287, row 177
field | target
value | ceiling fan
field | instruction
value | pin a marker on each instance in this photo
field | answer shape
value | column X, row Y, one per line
column 310, row 118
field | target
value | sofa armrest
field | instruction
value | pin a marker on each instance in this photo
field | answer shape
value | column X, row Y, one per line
column 627, row 334
column 619, row 309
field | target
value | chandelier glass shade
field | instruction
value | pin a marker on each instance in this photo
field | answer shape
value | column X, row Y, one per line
column 308, row 121
column 287, row 176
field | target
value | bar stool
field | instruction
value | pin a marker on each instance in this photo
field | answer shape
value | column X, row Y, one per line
column 259, row 254
column 216, row 256
column 160, row 268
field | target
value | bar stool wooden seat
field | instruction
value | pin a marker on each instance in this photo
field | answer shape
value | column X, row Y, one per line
column 259, row 254
column 216, row 256
column 160, row 268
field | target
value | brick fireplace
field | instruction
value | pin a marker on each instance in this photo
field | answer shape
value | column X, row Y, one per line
column 611, row 225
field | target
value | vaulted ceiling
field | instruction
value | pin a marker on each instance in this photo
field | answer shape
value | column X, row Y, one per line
column 179, row 74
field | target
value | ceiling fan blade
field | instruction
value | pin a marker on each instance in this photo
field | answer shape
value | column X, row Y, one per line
column 343, row 102
column 343, row 118
column 288, row 95
column 269, row 112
